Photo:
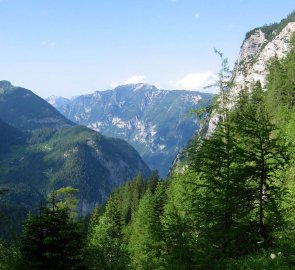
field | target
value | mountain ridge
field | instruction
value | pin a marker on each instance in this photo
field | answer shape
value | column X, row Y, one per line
column 37, row 159
column 25, row 110
column 154, row 121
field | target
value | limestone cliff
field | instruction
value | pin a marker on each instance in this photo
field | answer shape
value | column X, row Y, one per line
column 255, row 54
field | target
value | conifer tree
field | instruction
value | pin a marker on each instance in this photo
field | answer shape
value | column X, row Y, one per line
column 214, row 159
column 145, row 243
column 106, row 246
column 179, row 223
column 262, row 157
column 51, row 240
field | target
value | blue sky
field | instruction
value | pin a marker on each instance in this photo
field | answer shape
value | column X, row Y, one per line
column 72, row 47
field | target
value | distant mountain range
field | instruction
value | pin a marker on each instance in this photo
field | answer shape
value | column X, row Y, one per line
column 155, row 122
column 41, row 150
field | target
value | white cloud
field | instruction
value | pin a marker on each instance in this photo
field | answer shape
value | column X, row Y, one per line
column 197, row 15
column 135, row 79
column 114, row 85
column 132, row 80
column 197, row 81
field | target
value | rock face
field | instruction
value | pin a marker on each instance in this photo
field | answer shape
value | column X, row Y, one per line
column 259, row 47
column 153, row 121
column 256, row 52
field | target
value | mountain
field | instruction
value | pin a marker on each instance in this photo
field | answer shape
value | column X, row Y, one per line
column 10, row 136
column 75, row 156
column 24, row 110
column 46, row 152
column 155, row 122
column 57, row 101
column 260, row 46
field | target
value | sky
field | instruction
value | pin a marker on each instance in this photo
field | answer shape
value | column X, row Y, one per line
column 73, row 47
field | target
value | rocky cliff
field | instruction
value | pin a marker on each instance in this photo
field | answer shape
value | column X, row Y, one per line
column 256, row 52
column 259, row 47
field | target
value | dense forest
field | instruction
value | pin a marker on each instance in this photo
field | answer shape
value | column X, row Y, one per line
column 230, row 207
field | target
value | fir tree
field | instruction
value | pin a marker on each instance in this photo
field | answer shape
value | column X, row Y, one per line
column 262, row 157
column 51, row 240
column 106, row 246
column 145, row 245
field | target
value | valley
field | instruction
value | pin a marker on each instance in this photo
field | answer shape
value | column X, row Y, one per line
column 140, row 177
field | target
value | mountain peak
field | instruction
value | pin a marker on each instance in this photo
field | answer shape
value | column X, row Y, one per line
column 57, row 100
column 21, row 108
column 136, row 86
column 5, row 84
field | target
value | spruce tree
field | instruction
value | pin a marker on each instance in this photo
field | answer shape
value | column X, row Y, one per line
column 145, row 243
column 51, row 240
column 180, row 224
column 106, row 246
column 214, row 159
column 263, row 156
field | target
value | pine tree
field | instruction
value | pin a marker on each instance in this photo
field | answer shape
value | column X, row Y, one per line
column 214, row 159
column 106, row 246
column 179, row 223
column 145, row 245
column 51, row 240
column 262, row 157
column 225, row 197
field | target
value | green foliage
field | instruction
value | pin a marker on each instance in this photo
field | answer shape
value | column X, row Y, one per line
column 281, row 87
column 106, row 247
column 51, row 240
column 66, row 199
column 229, row 208
column 111, row 226
column 265, row 156
column 9, row 256
column 179, row 223
column 265, row 260
column 145, row 243
column 34, row 164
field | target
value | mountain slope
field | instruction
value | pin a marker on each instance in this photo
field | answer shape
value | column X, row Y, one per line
column 153, row 121
column 23, row 109
column 10, row 137
column 57, row 153
column 76, row 156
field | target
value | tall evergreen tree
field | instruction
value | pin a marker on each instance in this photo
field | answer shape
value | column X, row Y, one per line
column 180, row 224
column 145, row 243
column 51, row 240
column 106, row 246
column 214, row 159
column 263, row 155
